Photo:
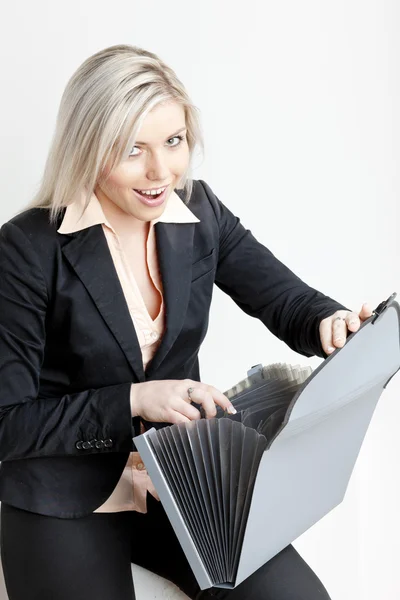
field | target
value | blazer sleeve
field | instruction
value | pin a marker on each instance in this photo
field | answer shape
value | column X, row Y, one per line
column 265, row 288
column 31, row 426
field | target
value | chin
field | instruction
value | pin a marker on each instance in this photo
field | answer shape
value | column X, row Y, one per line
column 147, row 214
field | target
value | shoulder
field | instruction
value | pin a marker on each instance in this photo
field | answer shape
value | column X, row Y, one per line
column 31, row 234
column 202, row 196
column 35, row 226
column 204, row 203
column 34, row 222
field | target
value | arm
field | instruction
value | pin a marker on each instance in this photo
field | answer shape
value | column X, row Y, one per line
column 265, row 288
column 31, row 426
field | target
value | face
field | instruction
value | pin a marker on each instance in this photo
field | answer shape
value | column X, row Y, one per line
column 141, row 184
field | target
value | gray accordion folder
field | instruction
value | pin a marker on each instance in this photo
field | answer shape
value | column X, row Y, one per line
column 239, row 488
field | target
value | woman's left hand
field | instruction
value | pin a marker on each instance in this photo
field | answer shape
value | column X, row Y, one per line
column 333, row 330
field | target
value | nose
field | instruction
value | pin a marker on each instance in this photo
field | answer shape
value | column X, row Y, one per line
column 157, row 168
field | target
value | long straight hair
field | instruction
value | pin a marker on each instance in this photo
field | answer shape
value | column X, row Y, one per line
column 101, row 111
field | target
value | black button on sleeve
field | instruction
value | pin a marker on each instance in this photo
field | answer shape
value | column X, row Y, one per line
column 100, row 444
column 86, row 445
column 108, row 443
column 78, row 445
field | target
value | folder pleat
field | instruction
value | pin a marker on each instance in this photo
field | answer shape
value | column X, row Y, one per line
column 187, row 493
column 201, row 468
column 204, row 536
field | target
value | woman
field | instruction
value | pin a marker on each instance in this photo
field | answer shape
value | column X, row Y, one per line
column 105, row 291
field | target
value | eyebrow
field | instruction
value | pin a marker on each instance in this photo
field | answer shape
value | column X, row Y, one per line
column 168, row 138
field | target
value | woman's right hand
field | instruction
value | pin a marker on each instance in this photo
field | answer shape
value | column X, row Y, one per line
column 168, row 400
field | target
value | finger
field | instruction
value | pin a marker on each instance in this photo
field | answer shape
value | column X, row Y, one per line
column 177, row 417
column 219, row 398
column 200, row 396
column 325, row 331
column 353, row 322
column 339, row 331
column 185, row 408
column 366, row 312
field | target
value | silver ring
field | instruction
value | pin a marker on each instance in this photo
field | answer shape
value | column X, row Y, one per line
column 190, row 392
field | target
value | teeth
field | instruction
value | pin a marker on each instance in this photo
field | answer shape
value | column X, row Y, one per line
column 152, row 192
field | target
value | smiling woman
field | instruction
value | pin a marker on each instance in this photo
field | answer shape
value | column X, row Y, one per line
column 105, row 290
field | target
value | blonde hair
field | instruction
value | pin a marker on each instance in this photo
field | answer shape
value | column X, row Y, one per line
column 101, row 110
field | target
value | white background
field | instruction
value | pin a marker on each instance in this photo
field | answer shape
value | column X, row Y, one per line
column 300, row 108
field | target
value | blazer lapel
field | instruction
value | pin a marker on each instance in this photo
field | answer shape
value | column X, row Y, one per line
column 88, row 253
column 175, row 250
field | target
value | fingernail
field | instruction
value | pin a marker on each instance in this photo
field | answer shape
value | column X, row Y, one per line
column 331, row 349
column 231, row 410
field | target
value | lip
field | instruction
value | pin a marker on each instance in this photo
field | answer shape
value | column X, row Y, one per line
column 152, row 203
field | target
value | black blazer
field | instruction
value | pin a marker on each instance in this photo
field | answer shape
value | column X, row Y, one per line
column 69, row 352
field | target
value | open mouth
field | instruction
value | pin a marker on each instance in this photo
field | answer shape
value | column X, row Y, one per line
column 153, row 197
column 152, row 194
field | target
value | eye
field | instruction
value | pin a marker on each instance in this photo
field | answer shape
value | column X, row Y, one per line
column 178, row 139
column 133, row 153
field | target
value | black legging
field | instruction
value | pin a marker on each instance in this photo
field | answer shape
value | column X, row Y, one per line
column 45, row 558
